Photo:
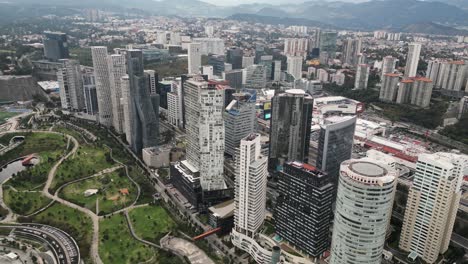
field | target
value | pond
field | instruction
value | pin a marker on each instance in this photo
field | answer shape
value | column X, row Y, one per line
column 14, row 167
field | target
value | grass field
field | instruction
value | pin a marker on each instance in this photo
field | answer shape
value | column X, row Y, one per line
column 151, row 222
column 88, row 160
column 72, row 221
column 5, row 115
column 109, row 198
column 117, row 246
column 24, row 203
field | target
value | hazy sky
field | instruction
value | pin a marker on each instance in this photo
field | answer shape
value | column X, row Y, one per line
column 237, row 2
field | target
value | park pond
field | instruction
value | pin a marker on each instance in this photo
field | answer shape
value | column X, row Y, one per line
column 14, row 167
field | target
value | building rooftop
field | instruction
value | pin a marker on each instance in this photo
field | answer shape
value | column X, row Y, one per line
column 223, row 210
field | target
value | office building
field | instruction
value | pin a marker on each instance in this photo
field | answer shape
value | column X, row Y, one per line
column 255, row 77
column 247, row 61
column 432, row 205
column 267, row 62
column 210, row 45
column 152, row 81
column 296, row 47
column 304, row 207
column 412, row 59
column 71, row 85
column 250, row 198
column 389, row 88
column 388, row 65
column 277, row 70
column 234, row 57
column 217, row 61
column 89, row 89
column 117, row 69
column 328, row 43
column 200, row 177
column 335, row 143
column 194, row 58
column 239, row 121
column 290, row 127
column 362, row 76
column 103, row 86
column 234, row 78
column 294, row 66
column 421, row 92
column 366, row 190
column 55, row 46
column 351, row 50
column 208, row 71
column 144, row 109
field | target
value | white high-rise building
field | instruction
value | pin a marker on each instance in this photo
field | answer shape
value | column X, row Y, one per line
column 205, row 132
column 432, row 205
column 412, row 59
column 71, row 85
column 152, row 81
column 277, row 70
column 117, row 69
column 127, row 108
column 454, row 76
column 322, row 75
column 250, row 198
column 362, row 76
column 194, row 58
column 294, row 66
column 208, row 71
column 103, row 86
column 388, row 65
column 209, row 31
column 366, row 190
column 351, row 50
column 210, row 45
column 389, row 88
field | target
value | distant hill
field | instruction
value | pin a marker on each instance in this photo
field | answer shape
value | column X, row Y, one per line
column 287, row 21
column 432, row 28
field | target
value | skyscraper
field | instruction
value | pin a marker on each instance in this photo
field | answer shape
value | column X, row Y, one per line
column 117, row 69
column 71, row 85
column 89, row 89
column 389, row 88
column 290, row 127
column 200, row 177
column 363, row 209
column 210, row 45
column 247, row 61
column 362, row 76
column 217, row 61
column 404, row 91
column 103, row 87
column 194, row 58
column 432, row 205
column 295, row 66
column 421, row 92
column 234, row 56
column 304, row 207
column 388, row 65
column 328, row 43
column 239, row 121
column 55, row 46
column 255, row 77
column 152, row 81
column 351, row 50
column 335, row 143
column 250, row 197
column 144, row 109
column 277, row 70
column 234, row 78
column 454, row 76
column 412, row 59
column 296, row 47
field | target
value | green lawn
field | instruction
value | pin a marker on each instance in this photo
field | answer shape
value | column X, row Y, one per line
column 151, row 222
column 88, row 160
column 108, row 196
column 5, row 115
column 117, row 246
column 24, row 203
column 77, row 135
column 72, row 221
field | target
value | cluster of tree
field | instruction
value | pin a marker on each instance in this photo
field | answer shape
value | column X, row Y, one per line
column 430, row 118
column 459, row 131
column 365, row 95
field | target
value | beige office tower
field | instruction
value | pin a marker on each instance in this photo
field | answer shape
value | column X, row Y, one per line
column 432, row 205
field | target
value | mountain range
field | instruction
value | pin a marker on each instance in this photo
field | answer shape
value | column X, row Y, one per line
column 371, row 15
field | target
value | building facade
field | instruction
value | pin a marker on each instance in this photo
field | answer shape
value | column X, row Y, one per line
column 412, row 59
column 432, row 205
column 362, row 76
column 117, row 69
column 55, row 46
column 294, row 66
column 194, row 58
column 103, row 86
column 71, row 85
column 364, row 204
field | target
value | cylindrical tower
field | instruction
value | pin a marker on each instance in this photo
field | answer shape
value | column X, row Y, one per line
column 363, row 209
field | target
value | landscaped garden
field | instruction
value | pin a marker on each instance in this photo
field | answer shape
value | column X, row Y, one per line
column 151, row 222
column 5, row 115
column 24, row 202
column 114, row 191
